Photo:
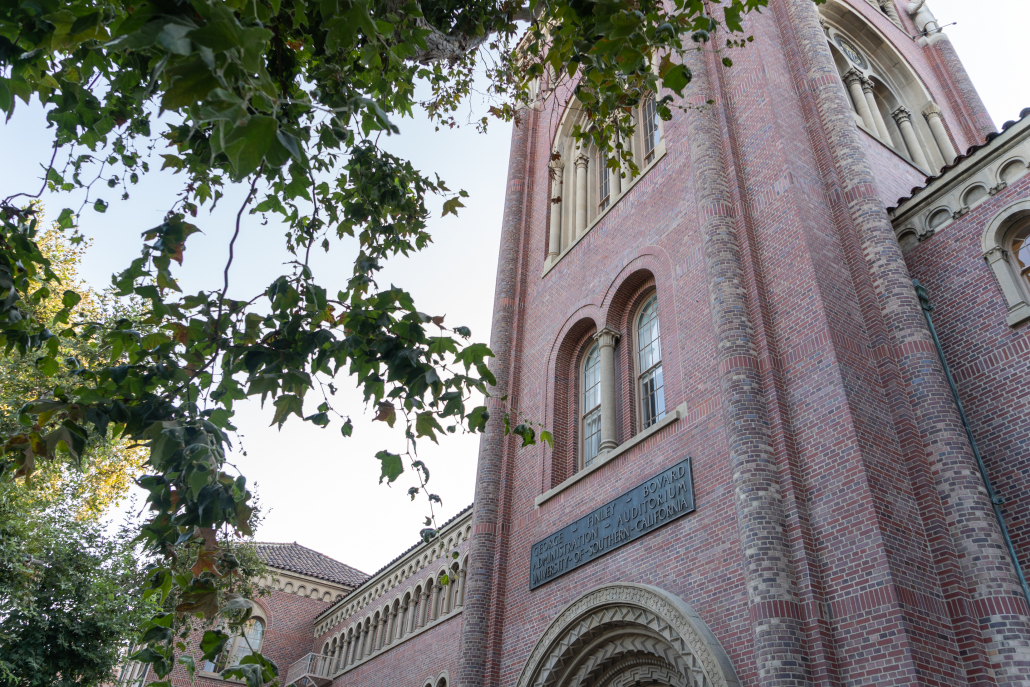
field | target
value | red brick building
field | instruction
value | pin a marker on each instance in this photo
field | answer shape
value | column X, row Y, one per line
column 776, row 486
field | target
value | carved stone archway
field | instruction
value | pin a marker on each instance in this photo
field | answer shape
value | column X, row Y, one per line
column 623, row 635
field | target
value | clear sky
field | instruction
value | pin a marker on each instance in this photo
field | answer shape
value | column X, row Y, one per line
column 318, row 489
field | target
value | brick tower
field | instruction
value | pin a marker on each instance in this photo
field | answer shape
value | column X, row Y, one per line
column 775, row 486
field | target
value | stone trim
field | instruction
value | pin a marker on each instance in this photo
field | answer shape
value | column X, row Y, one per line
column 639, row 618
column 982, row 168
column 995, row 244
column 659, row 154
column 382, row 651
column 604, row 458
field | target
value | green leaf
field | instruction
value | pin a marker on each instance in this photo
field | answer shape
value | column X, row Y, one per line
column 547, row 438
column 426, row 425
column 676, row 78
column 247, row 145
column 450, row 206
column 70, row 299
column 392, row 467
column 478, row 418
column 212, row 643
column 284, row 406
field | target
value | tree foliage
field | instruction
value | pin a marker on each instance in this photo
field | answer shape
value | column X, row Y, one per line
column 70, row 600
column 288, row 99
column 109, row 465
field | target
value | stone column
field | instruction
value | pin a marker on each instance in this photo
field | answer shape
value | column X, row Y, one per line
column 940, row 134
column 359, row 652
column 881, row 126
column 434, row 612
column 615, row 177
column 853, row 78
column 903, row 118
column 581, row 194
column 402, row 629
column 425, row 610
column 554, row 240
column 777, row 632
column 606, row 340
column 391, row 627
column 384, row 624
column 460, row 594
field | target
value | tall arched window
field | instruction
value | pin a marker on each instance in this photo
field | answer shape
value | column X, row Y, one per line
column 583, row 185
column 649, row 361
column 591, row 405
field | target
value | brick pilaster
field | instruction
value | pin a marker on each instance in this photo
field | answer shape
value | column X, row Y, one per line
column 481, row 592
column 774, row 608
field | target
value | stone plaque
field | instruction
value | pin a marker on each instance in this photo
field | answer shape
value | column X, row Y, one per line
column 658, row 501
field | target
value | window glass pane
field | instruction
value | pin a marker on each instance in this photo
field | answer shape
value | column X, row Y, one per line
column 649, row 117
column 254, row 632
column 591, row 436
column 591, row 381
column 603, row 182
column 652, row 392
column 591, row 402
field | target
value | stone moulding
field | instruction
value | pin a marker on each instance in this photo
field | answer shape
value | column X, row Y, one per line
column 609, row 625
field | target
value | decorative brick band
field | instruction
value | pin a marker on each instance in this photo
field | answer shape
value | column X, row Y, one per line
column 993, row 606
column 738, row 362
column 765, row 610
column 985, row 363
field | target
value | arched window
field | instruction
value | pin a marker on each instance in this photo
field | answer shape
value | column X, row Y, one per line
column 591, row 405
column 1006, row 248
column 889, row 99
column 243, row 644
column 584, row 184
column 649, row 364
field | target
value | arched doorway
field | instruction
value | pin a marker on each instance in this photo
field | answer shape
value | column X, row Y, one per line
column 622, row 635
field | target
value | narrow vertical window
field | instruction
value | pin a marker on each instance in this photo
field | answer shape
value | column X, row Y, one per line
column 1021, row 252
column 652, row 387
column 591, row 405
column 604, row 191
column 649, row 119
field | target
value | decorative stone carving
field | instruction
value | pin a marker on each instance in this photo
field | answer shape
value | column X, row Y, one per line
column 591, row 633
column 993, row 190
column 903, row 118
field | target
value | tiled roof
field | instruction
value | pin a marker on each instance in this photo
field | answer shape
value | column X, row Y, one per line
column 301, row 559
column 947, row 168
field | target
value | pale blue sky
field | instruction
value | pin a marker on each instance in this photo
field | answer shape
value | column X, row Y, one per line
column 318, row 489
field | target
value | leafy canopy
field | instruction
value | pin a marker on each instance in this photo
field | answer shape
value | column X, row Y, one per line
column 287, row 98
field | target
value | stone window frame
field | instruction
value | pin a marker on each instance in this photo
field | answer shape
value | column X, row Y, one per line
column 913, row 127
column 637, row 372
column 996, row 244
column 567, row 158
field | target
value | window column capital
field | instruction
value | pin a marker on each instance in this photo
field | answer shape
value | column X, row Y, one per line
column 867, row 84
column 931, row 110
column 582, row 159
column 607, row 337
column 902, row 114
column 853, row 77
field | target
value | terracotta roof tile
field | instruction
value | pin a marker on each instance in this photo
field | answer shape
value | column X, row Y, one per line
column 301, row 559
